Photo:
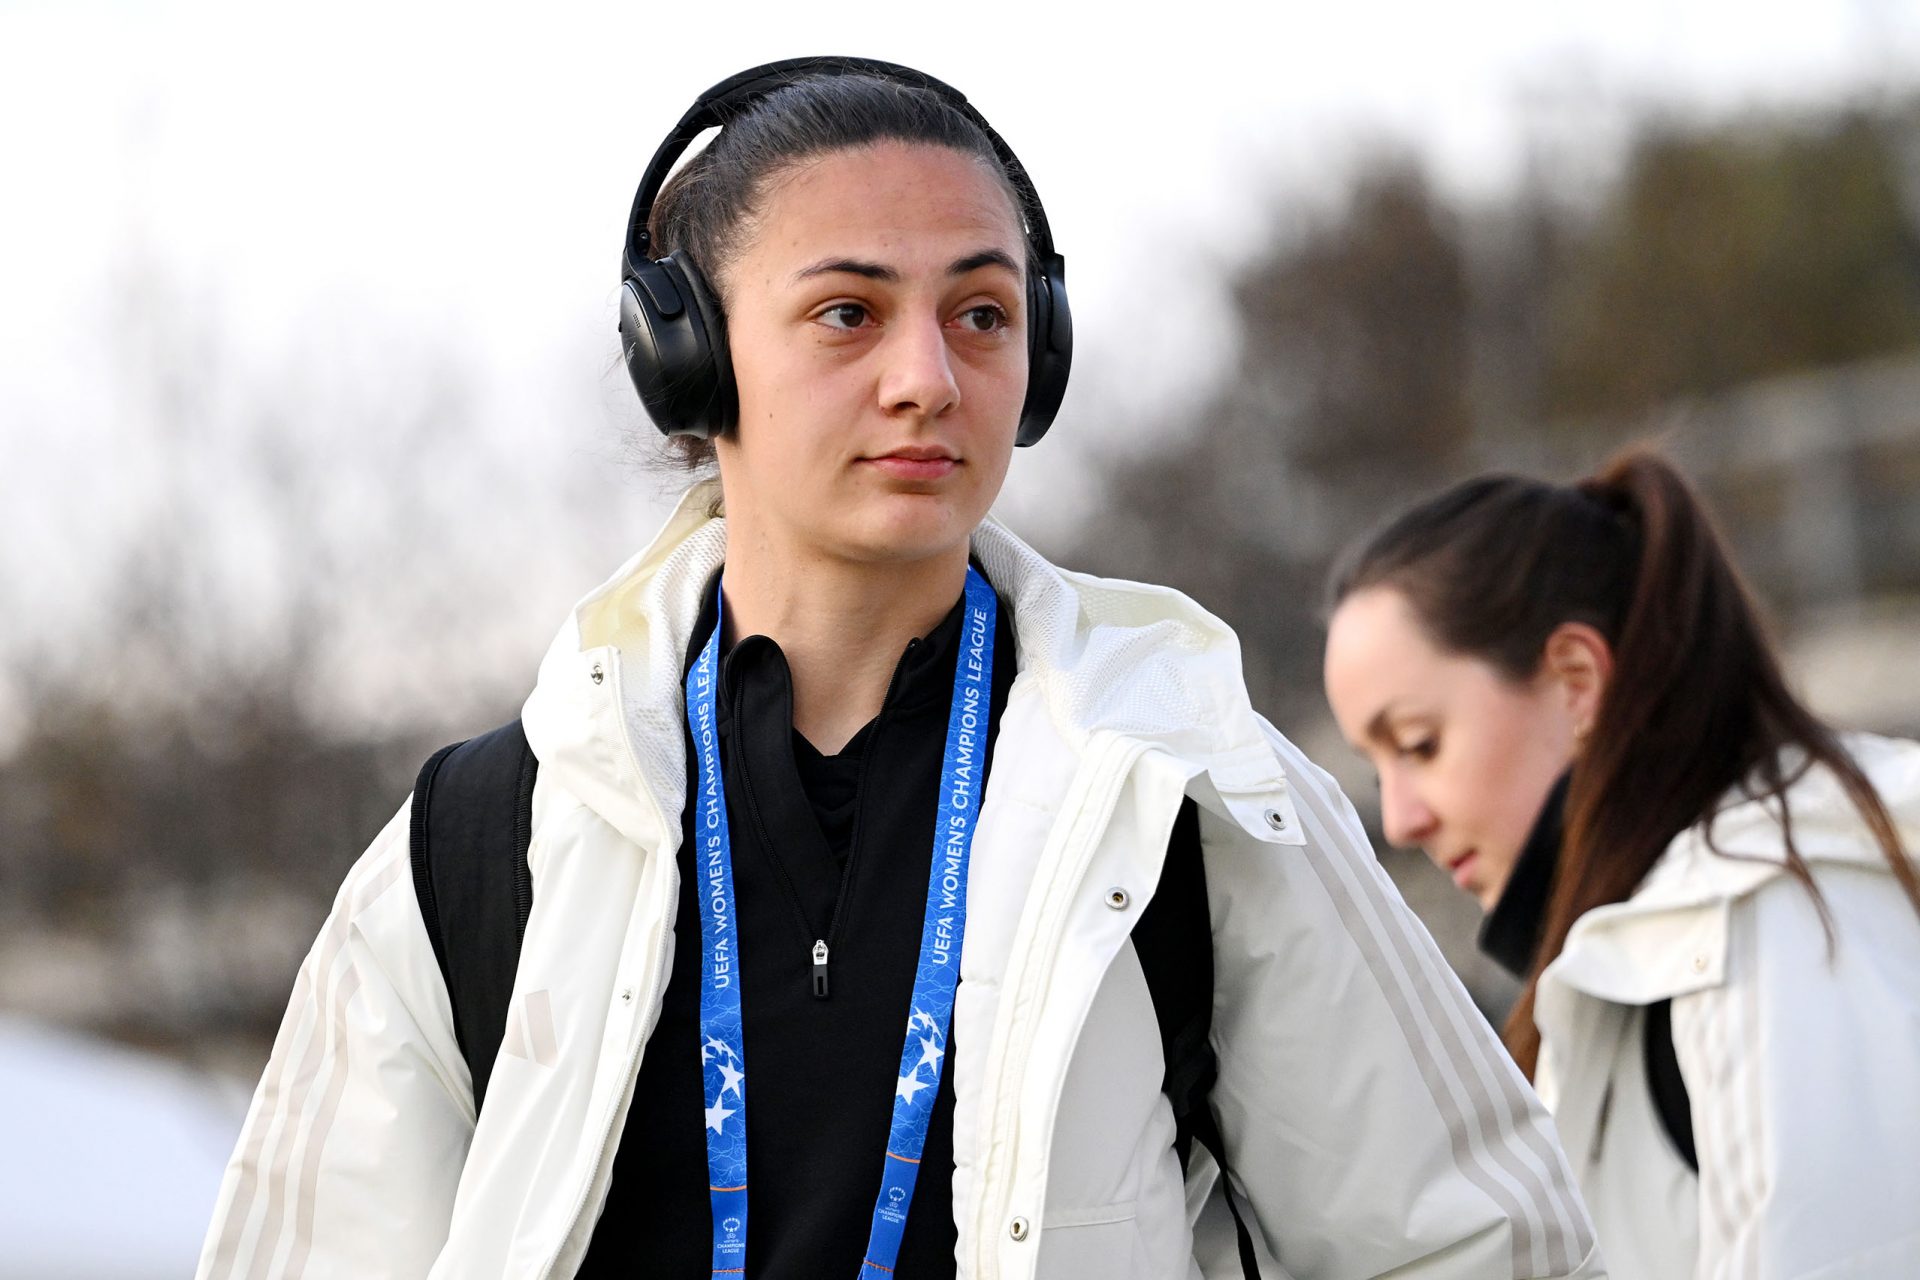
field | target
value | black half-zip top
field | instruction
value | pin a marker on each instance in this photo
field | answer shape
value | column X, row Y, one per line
column 804, row 805
column 826, row 849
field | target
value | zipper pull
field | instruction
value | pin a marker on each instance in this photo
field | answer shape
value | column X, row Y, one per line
column 820, row 969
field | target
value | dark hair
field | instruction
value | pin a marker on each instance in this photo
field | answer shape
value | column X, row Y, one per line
column 706, row 210
column 1697, row 703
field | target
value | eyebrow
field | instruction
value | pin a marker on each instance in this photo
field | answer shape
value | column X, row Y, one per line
column 985, row 258
column 847, row 266
column 1380, row 729
column 888, row 275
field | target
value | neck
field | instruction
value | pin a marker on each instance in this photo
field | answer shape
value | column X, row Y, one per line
column 841, row 624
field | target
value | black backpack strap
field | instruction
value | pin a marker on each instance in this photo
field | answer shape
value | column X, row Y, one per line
column 1668, row 1086
column 1174, row 942
column 1207, row 1130
column 472, row 822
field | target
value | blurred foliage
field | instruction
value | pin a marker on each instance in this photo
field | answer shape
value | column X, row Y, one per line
column 257, row 779
column 284, row 629
column 1729, row 255
column 1370, row 320
column 1354, row 372
column 180, row 862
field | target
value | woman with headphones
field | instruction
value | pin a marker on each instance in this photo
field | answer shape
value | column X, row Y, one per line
column 895, row 902
column 1711, row 896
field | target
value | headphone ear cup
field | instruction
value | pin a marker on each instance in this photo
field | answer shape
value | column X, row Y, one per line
column 1049, row 348
column 723, row 403
column 667, row 327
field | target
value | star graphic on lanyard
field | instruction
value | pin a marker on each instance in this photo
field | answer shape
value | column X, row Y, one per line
column 731, row 1078
column 921, row 1018
column 713, row 1046
column 716, row 1115
column 930, row 1054
column 910, row 1085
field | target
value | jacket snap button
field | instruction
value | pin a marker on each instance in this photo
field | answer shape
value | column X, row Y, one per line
column 1277, row 820
column 1019, row 1229
column 626, row 995
column 1700, row 963
column 1117, row 898
column 598, row 674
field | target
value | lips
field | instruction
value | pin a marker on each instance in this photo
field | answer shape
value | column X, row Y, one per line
column 1461, row 868
column 915, row 462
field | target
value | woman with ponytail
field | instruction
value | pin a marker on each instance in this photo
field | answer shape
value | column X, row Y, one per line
column 1710, row 895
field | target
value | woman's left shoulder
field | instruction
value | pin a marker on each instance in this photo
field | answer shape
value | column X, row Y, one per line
column 1892, row 765
column 1107, row 642
column 1745, row 842
column 1087, row 601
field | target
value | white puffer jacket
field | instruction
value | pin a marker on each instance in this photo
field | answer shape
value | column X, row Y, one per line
column 1801, row 1059
column 1373, row 1120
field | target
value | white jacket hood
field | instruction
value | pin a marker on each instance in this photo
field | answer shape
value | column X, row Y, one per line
column 1669, row 938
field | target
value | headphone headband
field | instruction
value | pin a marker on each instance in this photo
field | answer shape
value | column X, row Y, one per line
column 719, row 105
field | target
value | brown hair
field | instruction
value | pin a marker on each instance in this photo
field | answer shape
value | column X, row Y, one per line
column 1697, row 703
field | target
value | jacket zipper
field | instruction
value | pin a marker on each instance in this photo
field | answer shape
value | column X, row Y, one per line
column 853, row 842
column 819, row 947
column 1034, row 969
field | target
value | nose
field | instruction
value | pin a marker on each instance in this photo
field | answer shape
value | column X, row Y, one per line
column 1405, row 819
column 917, row 375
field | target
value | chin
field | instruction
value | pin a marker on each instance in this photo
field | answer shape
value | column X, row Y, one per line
column 913, row 527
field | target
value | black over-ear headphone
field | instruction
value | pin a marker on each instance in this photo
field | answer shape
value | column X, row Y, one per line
column 674, row 332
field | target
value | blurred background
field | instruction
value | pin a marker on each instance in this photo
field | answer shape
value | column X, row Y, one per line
column 312, row 426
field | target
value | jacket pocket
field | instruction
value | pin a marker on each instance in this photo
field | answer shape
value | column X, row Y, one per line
column 1095, row 1243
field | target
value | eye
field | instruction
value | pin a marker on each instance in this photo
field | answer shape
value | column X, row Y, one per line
column 988, row 317
column 1422, row 749
column 844, row 315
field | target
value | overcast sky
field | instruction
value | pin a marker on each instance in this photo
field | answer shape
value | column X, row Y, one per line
column 465, row 169
column 403, row 179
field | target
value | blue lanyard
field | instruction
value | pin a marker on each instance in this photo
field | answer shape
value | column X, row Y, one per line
column 943, row 928
column 722, row 1045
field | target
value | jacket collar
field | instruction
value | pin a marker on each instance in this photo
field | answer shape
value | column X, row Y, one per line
column 1510, row 935
column 604, row 718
